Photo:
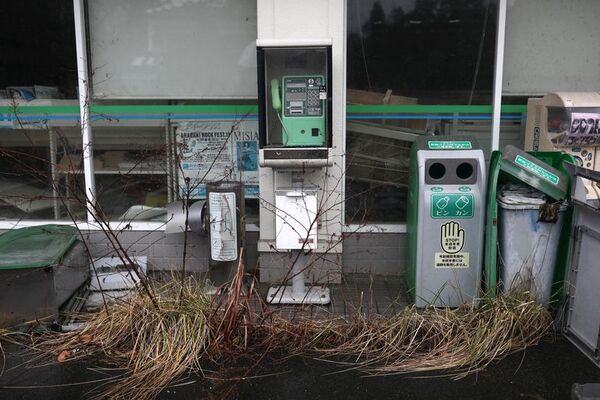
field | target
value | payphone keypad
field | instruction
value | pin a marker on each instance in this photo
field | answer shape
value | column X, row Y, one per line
column 302, row 96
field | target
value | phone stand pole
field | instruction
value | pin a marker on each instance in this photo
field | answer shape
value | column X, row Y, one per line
column 298, row 293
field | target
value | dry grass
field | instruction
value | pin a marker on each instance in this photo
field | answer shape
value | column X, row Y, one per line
column 189, row 331
column 153, row 345
column 462, row 340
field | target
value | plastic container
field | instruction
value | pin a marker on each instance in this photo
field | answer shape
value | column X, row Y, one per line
column 40, row 269
column 527, row 247
column 586, row 391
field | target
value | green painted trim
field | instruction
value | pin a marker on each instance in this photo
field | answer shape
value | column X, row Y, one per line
column 253, row 109
column 433, row 109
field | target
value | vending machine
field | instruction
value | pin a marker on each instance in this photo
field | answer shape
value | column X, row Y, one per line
column 569, row 122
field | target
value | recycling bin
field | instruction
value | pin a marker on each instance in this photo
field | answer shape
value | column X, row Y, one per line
column 528, row 240
column 40, row 269
column 445, row 221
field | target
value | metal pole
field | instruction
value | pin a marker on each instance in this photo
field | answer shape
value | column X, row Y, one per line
column 53, row 172
column 298, row 288
column 498, row 70
column 84, row 107
column 169, row 161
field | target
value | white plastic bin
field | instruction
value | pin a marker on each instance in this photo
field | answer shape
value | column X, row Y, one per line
column 527, row 248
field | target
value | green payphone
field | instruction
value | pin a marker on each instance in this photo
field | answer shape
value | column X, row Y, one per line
column 301, row 109
column 294, row 104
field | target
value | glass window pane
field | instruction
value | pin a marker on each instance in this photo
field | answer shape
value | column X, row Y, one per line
column 41, row 174
column 144, row 160
column 38, row 50
column 179, row 49
column 409, row 62
column 130, row 166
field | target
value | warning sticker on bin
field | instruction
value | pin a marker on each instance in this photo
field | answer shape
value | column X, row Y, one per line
column 445, row 260
column 449, row 145
column 452, row 205
column 536, row 169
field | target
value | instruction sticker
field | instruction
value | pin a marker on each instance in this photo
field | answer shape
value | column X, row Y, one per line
column 458, row 260
column 223, row 226
column 452, row 205
column 536, row 169
column 449, row 145
column 452, row 241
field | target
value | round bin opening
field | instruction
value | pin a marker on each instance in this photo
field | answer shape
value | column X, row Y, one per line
column 464, row 171
column 437, row 170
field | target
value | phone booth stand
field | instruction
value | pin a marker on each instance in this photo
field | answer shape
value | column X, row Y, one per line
column 301, row 78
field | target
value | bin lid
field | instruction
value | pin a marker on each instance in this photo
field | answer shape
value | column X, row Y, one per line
column 35, row 247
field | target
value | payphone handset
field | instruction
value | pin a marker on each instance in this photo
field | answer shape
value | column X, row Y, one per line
column 301, row 109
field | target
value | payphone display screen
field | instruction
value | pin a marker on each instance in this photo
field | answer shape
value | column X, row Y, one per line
column 302, row 96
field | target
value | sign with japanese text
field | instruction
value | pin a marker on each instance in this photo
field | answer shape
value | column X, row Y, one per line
column 217, row 150
column 452, row 205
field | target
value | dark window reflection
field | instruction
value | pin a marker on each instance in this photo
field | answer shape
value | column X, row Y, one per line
column 437, row 51
column 38, row 49
column 410, row 52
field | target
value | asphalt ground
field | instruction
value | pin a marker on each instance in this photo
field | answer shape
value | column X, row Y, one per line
column 543, row 372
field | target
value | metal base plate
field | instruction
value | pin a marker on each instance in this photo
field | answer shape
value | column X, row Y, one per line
column 311, row 295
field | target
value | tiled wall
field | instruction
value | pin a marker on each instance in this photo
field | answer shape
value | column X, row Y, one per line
column 165, row 252
column 377, row 253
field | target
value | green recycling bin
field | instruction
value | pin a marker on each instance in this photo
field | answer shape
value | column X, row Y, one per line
column 40, row 269
column 545, row 172
column 445, row 221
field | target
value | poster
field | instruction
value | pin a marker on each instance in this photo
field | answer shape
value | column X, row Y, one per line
column 584, row 130
column 223, row 228
column 217, row 150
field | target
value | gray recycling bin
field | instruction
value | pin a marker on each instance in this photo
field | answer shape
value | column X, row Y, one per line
column 446, row 207
column 527, row 244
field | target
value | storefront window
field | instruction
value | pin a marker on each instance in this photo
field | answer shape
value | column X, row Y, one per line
column 146, row 156
column 41, row 173
column 172, row 49
column 413, row 58
column 130, row 167
column 38, row 51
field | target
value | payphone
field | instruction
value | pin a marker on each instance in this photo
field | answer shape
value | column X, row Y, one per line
column 301, row 109
column 301, row 101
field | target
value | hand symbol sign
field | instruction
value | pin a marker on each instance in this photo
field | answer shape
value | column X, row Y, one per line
column 452, row 237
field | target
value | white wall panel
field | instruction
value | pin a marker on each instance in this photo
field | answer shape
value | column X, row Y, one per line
column 552, row 45
column 173, row 48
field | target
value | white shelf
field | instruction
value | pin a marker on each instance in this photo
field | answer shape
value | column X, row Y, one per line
column 118, row 172
column 134, row 171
